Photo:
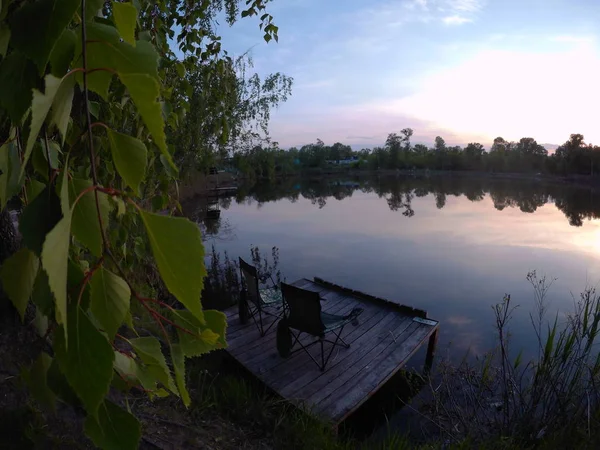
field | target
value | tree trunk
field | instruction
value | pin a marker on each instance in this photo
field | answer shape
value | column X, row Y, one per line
column 9, row 244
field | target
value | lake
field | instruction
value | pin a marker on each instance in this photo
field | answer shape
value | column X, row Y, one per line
column 452, row 245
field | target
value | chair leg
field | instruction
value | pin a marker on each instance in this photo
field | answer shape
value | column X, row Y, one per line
column 334, row 343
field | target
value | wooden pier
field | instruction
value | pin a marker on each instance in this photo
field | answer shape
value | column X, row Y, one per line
column 386, row 337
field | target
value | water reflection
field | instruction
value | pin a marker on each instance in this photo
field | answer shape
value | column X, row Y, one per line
column 577, row 204
column 450, row 245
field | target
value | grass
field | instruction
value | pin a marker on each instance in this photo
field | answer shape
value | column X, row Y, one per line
column 551, row 401
column 221, row 390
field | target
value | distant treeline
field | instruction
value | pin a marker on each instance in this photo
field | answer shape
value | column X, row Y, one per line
column 524, row 156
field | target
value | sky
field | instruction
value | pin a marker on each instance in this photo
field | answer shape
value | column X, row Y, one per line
column 467, row 70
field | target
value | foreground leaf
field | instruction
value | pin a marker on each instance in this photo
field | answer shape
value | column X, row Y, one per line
column 125, row 16
column 38, row 218
column 18, row 274
column 33, row 189
column 48, row 18
column 109, row 300
column 178, row 360
column 114, row 428
column 55, row 257
column 144, row 91
column 10, row 165
column 35, row 378
column 17, row 78
column 40, row 107
column 177, row 248
column 62, row 53
column 105, row 50
column 41, row 296
column 148, row 349
column 207, row 337
column 130, row 157
column 86, row 359
column 86, row 227
column 61, row 106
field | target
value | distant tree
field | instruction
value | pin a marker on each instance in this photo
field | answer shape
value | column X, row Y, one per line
column 440, row 144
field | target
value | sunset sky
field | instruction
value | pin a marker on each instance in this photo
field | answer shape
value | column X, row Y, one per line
column 468, row 70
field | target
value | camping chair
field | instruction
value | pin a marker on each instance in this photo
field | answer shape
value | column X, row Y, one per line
column 305, row 316
column 254, row 302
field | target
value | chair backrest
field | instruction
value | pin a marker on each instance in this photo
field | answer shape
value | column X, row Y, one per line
column 250, row 280
column 304, row 309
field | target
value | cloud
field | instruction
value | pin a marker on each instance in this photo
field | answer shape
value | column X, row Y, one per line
column 456, row 20
column 471, row 6
column 572, row 39
column 512, row 94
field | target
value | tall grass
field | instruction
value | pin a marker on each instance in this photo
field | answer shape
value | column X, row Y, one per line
column 551, row 401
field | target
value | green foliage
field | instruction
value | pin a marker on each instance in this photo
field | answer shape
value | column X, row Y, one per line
column 114, row 428
column 125, row 19
column 85, row 359
column 109, row 300
column 96, row 245
column 130, row 157
column 177, row 247
column 18, row 275
column 48, row 18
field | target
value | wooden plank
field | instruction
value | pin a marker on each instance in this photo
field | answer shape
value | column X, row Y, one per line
column 352, row 374
column 369, row 381
column 344, row 369
column 281, row 374
column 286, row 370
column 409, row 310
column 266, row 347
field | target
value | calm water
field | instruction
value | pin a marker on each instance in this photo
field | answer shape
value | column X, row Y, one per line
column 452, row 246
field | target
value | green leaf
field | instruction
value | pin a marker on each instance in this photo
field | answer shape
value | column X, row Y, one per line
column 126, row 366
column 62, row 53
column 125, row 16
column 109, row 300
column 114, row 429
column 75, row 277
column 59, row 385
column 55, row 256
column 92, row 7
column 130, row 157
column 37, row 26
column 10, row 165
column 18, row 77
column 33, row 189
column 39, row 158
column 86, row 359
column 64, row 191
column 38, row 218
column 4, row 38
column 61, row 107
column 39, row 110
column 95, row 109
column 177, row 247
column 148, row 349
column 144, row 91
column 40, row 322
column 179, row 366
column 207, row 337
column 105, row 50
column 18, row 274
column 86, row 227
column 42, row 296
column 35, row 378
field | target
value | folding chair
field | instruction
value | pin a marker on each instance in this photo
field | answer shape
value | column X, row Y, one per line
column 305, row 316
column 255, row 302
